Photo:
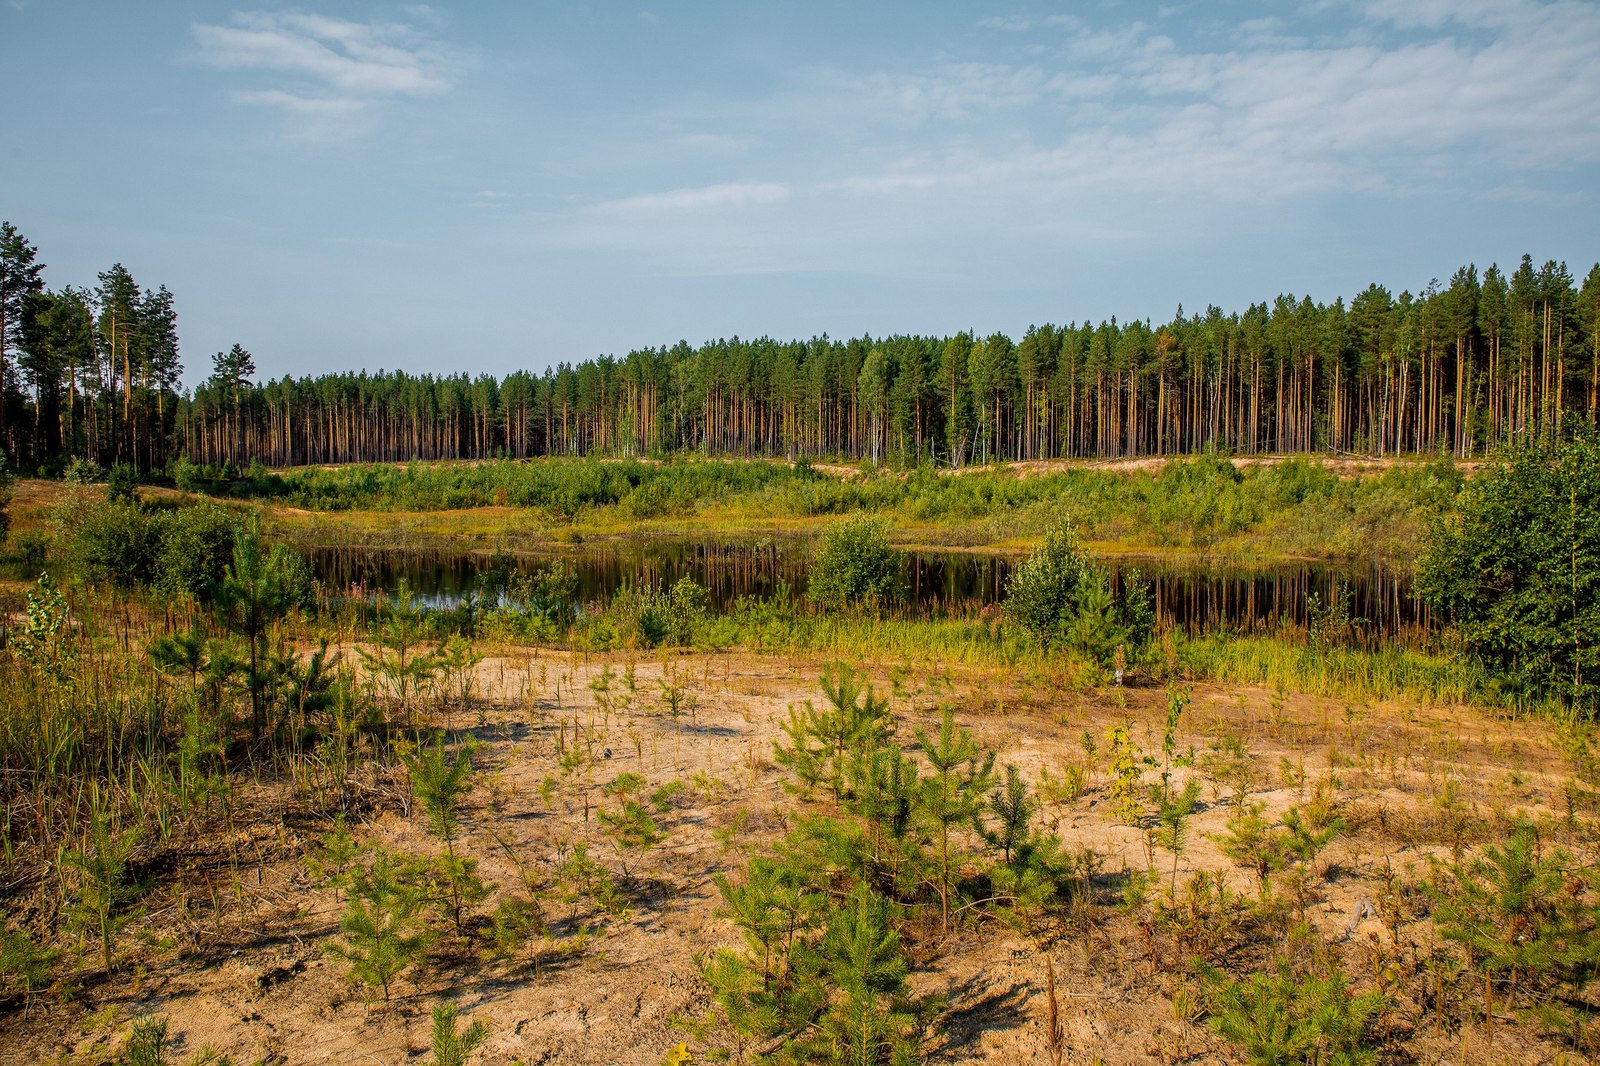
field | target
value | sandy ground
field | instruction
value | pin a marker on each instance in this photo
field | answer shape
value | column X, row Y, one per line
column 242, row 964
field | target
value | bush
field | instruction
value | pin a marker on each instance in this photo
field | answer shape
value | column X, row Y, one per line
column 294, row 575
column 1284, row 1017
column 854, row 566
column 116, row 542
column 1043, row 592
column 673, row 616
column 1060, row 596
column 1517, row 569
column 196, row 548
column 184, row 473
column 123, row 480
column 83, row 472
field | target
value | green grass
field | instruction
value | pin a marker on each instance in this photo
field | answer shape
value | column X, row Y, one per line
column 1427, row 676
column 1294, row 509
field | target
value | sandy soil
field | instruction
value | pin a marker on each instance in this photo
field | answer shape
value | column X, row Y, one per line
column 242, row 964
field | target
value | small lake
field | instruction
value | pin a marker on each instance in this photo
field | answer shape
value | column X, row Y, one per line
column 1193, row 596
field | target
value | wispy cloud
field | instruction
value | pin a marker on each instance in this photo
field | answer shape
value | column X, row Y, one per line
column 1121, row 134
column 327, row 67
column 731, row 195
column 1469, row 88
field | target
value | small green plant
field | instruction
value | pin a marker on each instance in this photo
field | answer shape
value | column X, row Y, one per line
column 44, row 639
column 382, row 935
column 512, row 923
column 1519, row 928
column 874, row 1020
column 953, row 794
column 99, row 904
column 25, row 964
column 147, row 1042
column 1282, row 1018
column 450, row 1045
column 1172, row 815
column 631, row 825
column 439, row 780
column 821, row 743
column 1251, row 842
column 1127, row 771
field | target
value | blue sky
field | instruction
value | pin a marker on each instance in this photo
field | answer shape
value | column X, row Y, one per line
column 493, row 186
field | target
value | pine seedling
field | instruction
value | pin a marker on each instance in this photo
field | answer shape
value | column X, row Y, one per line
column 1031, row 858
column 1283, row 1017
column 1014, row 808
column 250, row 601
column 99, row 905
column 1251, row 842
column 451, row 1046
column 954, row 793
column 382, row 937
column 884, row 793
column 1505, row 912
column 399, row 669
column 874, row 1021
column 1172, row 813
column 439, row 781
column 512, row 923
column 457, row 887
column 147, row 1043
column 1308, row 837
column 632, row 825
column 24, row 964
column 766, row 989
column 823, row 742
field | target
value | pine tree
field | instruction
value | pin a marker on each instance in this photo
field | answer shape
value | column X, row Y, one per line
column 953, row 794
column 382, row 937
column 21, row 283
column 873, row 1022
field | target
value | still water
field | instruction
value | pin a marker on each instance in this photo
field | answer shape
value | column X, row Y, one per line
column 1193, row 596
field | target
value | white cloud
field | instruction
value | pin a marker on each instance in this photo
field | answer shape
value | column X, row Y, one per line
column 1468, row 89
column 333, row 67
column 727, row 196
column 304, row 105
column 1120, row 137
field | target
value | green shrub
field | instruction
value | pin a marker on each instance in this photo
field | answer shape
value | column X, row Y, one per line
column 854, row 566
column 1061, row 597
column 185, row 474
column 1042, row 592
column 83, row 472
column 196, row 549
column 115, row 541
column 382, row 933
column 1517, row 569
column 1283, row 1018
column 123, row 480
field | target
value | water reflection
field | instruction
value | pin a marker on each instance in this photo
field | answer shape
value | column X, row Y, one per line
column 1193, row 597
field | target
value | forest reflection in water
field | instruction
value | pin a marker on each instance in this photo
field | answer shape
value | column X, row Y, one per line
column 1193, row 596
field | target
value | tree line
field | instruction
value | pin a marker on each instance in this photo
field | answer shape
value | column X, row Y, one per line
column 1461, row 367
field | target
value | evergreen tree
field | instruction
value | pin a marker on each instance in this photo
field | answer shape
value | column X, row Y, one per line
column 21, row 283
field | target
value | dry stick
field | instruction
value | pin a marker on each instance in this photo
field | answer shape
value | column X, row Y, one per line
column 1055, row 1039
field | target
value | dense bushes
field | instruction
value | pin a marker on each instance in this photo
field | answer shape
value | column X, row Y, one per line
column 1517, row 569
column 1062, row 597
column 854, row 566
column 1298, row 506
column 185, row 549
column 196, row 546
column 563, row 487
